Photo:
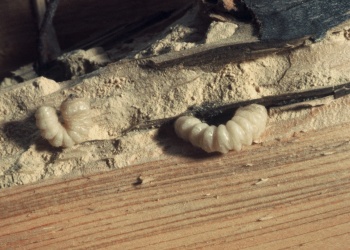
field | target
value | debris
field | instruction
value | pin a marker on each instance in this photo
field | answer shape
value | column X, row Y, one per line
column 76, row 63
column 267, row 217
column 261, row 181
column 218, row 31
column 327, row 153
column 143, row 180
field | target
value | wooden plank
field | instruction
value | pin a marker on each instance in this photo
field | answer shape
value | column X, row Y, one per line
column 279, row 195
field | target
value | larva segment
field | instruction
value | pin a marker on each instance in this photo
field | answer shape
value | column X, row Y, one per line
column 257, row 115
column 76, row 125
column 196, row 133
column 236, row 134
column 222, row 139
column 76, row 116
column 207, row 142
column 245, row 126
column 184, row 125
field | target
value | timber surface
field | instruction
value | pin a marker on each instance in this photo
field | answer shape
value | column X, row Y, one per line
column 279, row 195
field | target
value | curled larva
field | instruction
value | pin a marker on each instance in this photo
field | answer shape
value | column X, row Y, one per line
column 246, row 125
column 76, row 122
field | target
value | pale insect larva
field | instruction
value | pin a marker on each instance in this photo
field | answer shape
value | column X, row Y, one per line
column 246, row 126
column 76, row 122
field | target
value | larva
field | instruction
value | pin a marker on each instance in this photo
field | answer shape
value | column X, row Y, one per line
column 76, row 122
column 246, row 125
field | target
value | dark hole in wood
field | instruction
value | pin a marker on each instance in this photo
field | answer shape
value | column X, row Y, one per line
column 211, row 1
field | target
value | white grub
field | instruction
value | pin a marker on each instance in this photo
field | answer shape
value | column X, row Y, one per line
column 76, row 122
column 246, row 126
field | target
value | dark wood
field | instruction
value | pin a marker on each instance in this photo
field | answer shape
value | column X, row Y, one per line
column 80, row 19
column 48, row 45
column 280, row 20
column 74, row 21
column 18, row 34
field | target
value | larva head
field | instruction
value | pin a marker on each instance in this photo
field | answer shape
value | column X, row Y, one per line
column 75, row 108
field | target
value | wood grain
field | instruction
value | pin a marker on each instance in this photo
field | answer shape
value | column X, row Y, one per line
column 279, row 195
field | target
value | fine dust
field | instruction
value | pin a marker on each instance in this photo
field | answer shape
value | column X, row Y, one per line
column 124, row 94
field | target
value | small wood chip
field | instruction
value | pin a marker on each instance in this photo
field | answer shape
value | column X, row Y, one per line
column 267, row 217
column 327, row 153
column 143, row 180
column 261, row 181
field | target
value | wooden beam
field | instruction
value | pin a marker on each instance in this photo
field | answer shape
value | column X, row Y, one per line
column 282, row 194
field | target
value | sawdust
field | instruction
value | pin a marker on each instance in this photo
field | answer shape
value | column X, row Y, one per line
column 188, row 32
column 123, row 95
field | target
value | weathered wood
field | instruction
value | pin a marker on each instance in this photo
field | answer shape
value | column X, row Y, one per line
column 74, row 21
column 216, row 55
column 48, row 45
column 282, row 27
column 77, row 21
column 289, row 20
column 285, row 194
